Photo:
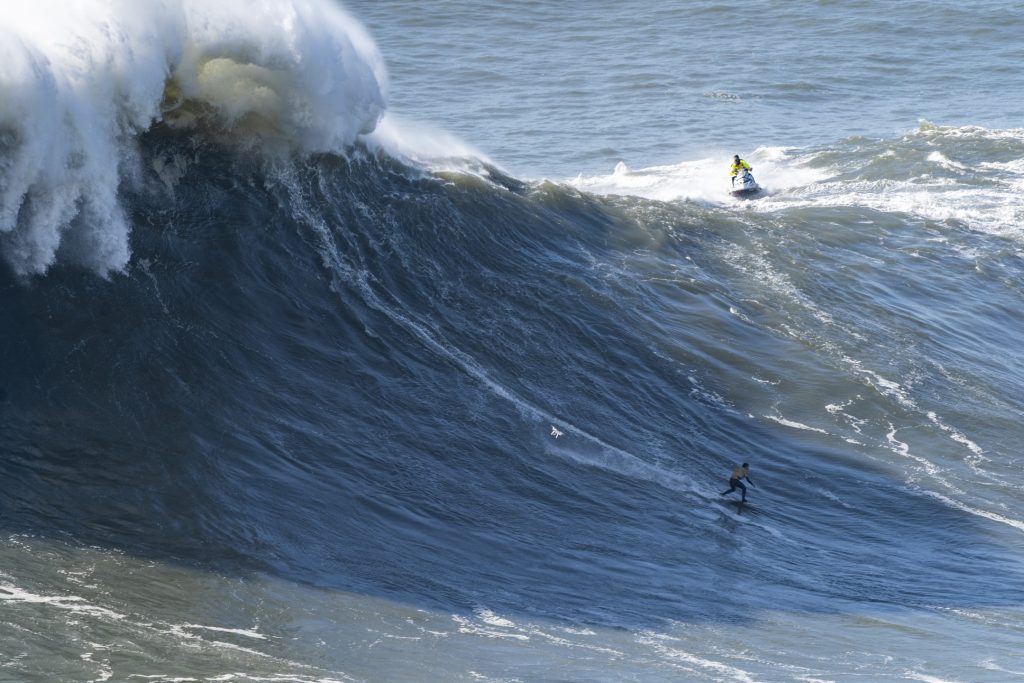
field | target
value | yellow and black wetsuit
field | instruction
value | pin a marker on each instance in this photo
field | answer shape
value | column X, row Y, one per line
column 736, row 166
column 735, row 480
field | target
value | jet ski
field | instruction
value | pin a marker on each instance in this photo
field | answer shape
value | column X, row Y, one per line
column 744, row 185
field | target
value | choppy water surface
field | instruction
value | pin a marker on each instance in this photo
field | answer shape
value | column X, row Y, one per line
column 556, row 89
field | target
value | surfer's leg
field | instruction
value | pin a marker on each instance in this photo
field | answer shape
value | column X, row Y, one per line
column 743, row 488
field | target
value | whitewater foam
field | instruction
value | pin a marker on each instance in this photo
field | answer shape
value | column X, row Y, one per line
column 83, row 81
column 422, row 145
column 704, row 180
column 960, row 176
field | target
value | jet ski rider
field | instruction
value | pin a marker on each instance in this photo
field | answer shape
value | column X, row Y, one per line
column 737, row 164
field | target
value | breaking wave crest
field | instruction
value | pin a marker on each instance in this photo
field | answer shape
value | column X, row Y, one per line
column 82, row 81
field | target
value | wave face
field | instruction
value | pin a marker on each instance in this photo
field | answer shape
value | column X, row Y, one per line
column 345, row 373
column 279, row 404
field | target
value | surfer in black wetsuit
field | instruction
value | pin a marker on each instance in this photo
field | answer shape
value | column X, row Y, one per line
column 735, row 480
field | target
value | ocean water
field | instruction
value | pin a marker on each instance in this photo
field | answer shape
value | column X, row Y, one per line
column 405, row 341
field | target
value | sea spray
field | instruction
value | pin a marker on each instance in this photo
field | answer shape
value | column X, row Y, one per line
column 81, row 82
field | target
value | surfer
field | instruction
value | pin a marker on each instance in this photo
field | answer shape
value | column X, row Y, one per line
column 737, row 164
column 735, row 479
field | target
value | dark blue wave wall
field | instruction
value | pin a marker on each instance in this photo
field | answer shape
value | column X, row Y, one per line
column 345, row 373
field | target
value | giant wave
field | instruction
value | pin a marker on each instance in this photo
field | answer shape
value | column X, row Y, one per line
column 293, row 354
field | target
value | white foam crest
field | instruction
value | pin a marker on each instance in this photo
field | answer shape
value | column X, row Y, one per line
column 794, row 425
column 703, row 180
column 235, row 631
column 71, row 603
column 926, row 678
column 489, row 630
column 302, row 71
column 958, row 436
column 81, row 80
column 1017, row 524
column 424, row 145
column 933, row 131
column 690, row 662
column 997, row 210
column 944, row 161
column 987, row 196
column 935, row 472
column 898, row 392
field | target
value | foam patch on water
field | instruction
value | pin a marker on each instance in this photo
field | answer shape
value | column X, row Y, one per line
column 82, row 80
column 793, row 424
column 994, row 210
column 71, row 603
column 936, row 173
column 703, row 180
column 671, row 650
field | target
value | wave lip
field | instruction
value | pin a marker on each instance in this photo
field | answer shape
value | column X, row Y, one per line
column 314, row 79
column 81, row 82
